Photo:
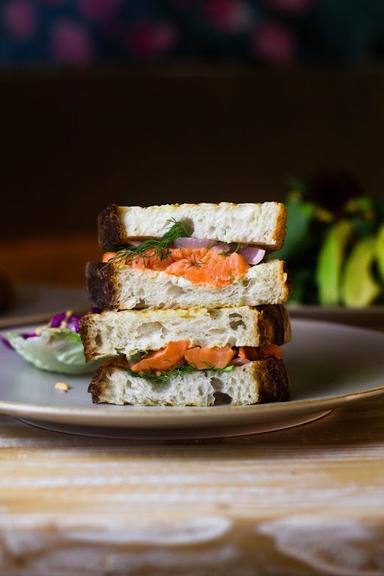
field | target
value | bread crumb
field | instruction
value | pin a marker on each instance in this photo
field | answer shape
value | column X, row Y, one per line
column 62, row 386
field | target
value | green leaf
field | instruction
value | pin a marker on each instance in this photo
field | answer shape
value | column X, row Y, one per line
column 299, row 215
column 54, row 350
column 136, row 356
column 181, row 371
column 380, row 251
column 302, row 289
column 359, row 288
column 154, row 247
column 330, row 261
column 363, row 206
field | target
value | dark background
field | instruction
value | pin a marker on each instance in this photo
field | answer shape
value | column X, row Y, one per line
column 75, row 141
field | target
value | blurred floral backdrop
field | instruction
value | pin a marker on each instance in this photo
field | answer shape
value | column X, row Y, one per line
column 279, row 32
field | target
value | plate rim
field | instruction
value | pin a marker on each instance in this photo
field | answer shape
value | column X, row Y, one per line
column 129, row 414
column 125, row 414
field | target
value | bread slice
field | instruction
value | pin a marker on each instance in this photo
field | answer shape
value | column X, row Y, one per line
column 118, row 286
column 260, row 224
column 114, row 333
column 254, row 383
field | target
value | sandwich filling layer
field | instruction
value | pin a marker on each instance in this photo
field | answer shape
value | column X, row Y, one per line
column 198, row 265
column 200, row 261
column 180, row 356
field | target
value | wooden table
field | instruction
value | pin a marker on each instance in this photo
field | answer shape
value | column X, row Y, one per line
column 304, row 501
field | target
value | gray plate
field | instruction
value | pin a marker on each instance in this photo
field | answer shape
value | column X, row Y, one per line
column 330, row 366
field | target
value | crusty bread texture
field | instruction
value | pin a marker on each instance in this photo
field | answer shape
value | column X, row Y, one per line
column 260, row 224
column 115, row 333
column 256, row 382
column 120, row 287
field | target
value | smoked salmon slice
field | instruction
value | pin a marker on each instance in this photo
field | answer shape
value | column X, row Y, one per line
column 212, row 268
column 198, row 265
column 176, row 353
column 164, row 359
column 206, row 358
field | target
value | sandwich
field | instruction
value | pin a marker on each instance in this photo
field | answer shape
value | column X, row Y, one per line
column 191, row 315
column 189, row 255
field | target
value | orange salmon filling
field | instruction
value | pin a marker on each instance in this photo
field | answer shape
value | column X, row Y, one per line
column 198, row 265
column 164, row 359
column 178, row 353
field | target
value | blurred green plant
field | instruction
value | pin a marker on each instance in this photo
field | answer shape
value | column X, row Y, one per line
column 335, row 242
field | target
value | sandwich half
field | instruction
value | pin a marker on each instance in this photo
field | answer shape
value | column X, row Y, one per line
column 188, row 357
column 180, row 256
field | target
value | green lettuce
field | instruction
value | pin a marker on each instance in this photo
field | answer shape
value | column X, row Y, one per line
column 54, row 349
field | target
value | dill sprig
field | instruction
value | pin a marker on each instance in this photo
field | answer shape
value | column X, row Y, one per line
column 182, row 370
column 160, row 247
column 137, row 355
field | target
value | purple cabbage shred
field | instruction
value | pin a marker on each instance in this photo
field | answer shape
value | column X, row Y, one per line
column 67, row 320
column 6, row 342
column 73, row 323
column 57, row 320
column 27, row 335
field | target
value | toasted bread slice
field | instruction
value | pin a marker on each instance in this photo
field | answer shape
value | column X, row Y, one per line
column 254, row 383
column 259, row 224
column 120, row 287
column 113, row 333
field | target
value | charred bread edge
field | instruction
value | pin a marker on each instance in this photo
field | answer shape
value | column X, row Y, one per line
column 110, row 229
column 100, row 278
column 274, row 324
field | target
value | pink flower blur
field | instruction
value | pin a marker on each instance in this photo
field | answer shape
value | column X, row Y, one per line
column 20, row 19
column 149, row 39
column 231, row 16
column 71, row 43
column 290, row 5
column 99, row 10
column 274, row 43
column 53, row 2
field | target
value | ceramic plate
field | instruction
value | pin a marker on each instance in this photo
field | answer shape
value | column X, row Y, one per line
column 330, row 366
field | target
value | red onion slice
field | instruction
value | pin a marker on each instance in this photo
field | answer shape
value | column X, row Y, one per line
column 252, row 255
column 240, row 361
column 221, row 247
column 186, row 242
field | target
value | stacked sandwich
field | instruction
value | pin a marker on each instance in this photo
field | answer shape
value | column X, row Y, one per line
column 191, row 314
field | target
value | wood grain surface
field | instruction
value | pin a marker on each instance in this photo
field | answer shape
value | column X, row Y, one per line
column 304, row 501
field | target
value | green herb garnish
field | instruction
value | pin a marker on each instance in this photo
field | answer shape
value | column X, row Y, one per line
column 160, row 248
column 178, row 371
column 137, row 355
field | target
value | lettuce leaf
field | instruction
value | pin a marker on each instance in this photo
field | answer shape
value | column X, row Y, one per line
column 55, row 350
